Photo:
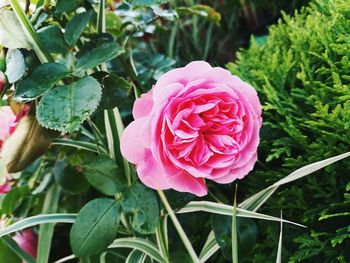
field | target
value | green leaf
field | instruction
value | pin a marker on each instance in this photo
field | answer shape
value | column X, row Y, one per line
column 246, row 235
column 17, row 250
column 15, row 65
column 113, row 24
column 76, row 26
column 140, row 244
column 11, row 33
column 13, row 199
column 115, row 91
column 201, row 10
column 96, row 227
column 37, row 220
column 65, row 108
column 39, row 81
column 104, row 175
column 147, row 2
column 102, row 53
column 67, row 6
column 7, row 255
column 69, row 178
column 141, row 204
column 53, row 40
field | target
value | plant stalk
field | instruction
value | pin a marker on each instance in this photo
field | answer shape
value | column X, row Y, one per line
column 179, row 228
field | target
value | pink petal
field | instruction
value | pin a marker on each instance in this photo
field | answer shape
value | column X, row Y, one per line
column 185, row 182
column 131, row 145
column 143, row 105
column 183, row 75
column 237, row 173
column 151, row 174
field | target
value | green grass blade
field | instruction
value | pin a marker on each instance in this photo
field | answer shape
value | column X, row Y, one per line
column 279, row 251
column 65, row 259
column 140, row 244
column 209, row 248
column 38, row 220
column 136, row 257
column 32, row 36
column 76, row 144
column 222, row 209
column 254, row 202
column 234, row 231
column 46, row 231
column 162, row 236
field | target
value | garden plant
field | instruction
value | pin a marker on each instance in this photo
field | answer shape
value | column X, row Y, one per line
column 136, row 131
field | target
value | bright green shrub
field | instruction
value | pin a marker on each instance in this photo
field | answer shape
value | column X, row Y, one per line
column 302, row 74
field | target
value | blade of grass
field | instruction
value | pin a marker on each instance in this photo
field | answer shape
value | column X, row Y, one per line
column 31, row 34
column 254, row 202
column 279, row 251
column 234, row 231
column 46, row 231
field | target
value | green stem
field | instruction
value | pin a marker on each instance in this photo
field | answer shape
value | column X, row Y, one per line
column 179, row 228
column 31, row 34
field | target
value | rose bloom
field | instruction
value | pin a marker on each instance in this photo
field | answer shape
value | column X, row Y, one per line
column 197, row 123
column 28, row 241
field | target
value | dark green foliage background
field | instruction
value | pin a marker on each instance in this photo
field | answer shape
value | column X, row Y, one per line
column 302, row 74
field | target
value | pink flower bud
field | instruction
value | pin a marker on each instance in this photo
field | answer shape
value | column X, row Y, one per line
column 28, row 241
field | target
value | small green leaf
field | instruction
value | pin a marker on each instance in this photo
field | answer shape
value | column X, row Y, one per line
column 69, row 178
column 76, row 26
column 11, row 33
column 67, row 5
column 105, row 175
column 115, row 91
column 53, row 40
column 65, row 108
column 103, row 53
column 15, row 65
column 147, row 2
column 40, row 80
column 113, row 24
column 201, row 10
column 141, row 204
column 95, row 227
column 13, row 200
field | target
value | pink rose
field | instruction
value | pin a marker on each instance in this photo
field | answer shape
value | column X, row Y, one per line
column 7, row 118
column 28, row 241
column 197, row 123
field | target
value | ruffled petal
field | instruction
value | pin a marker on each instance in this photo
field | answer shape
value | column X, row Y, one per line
column 143, row 105
column 131, row 145
column 151, row 174
column 184, row 182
